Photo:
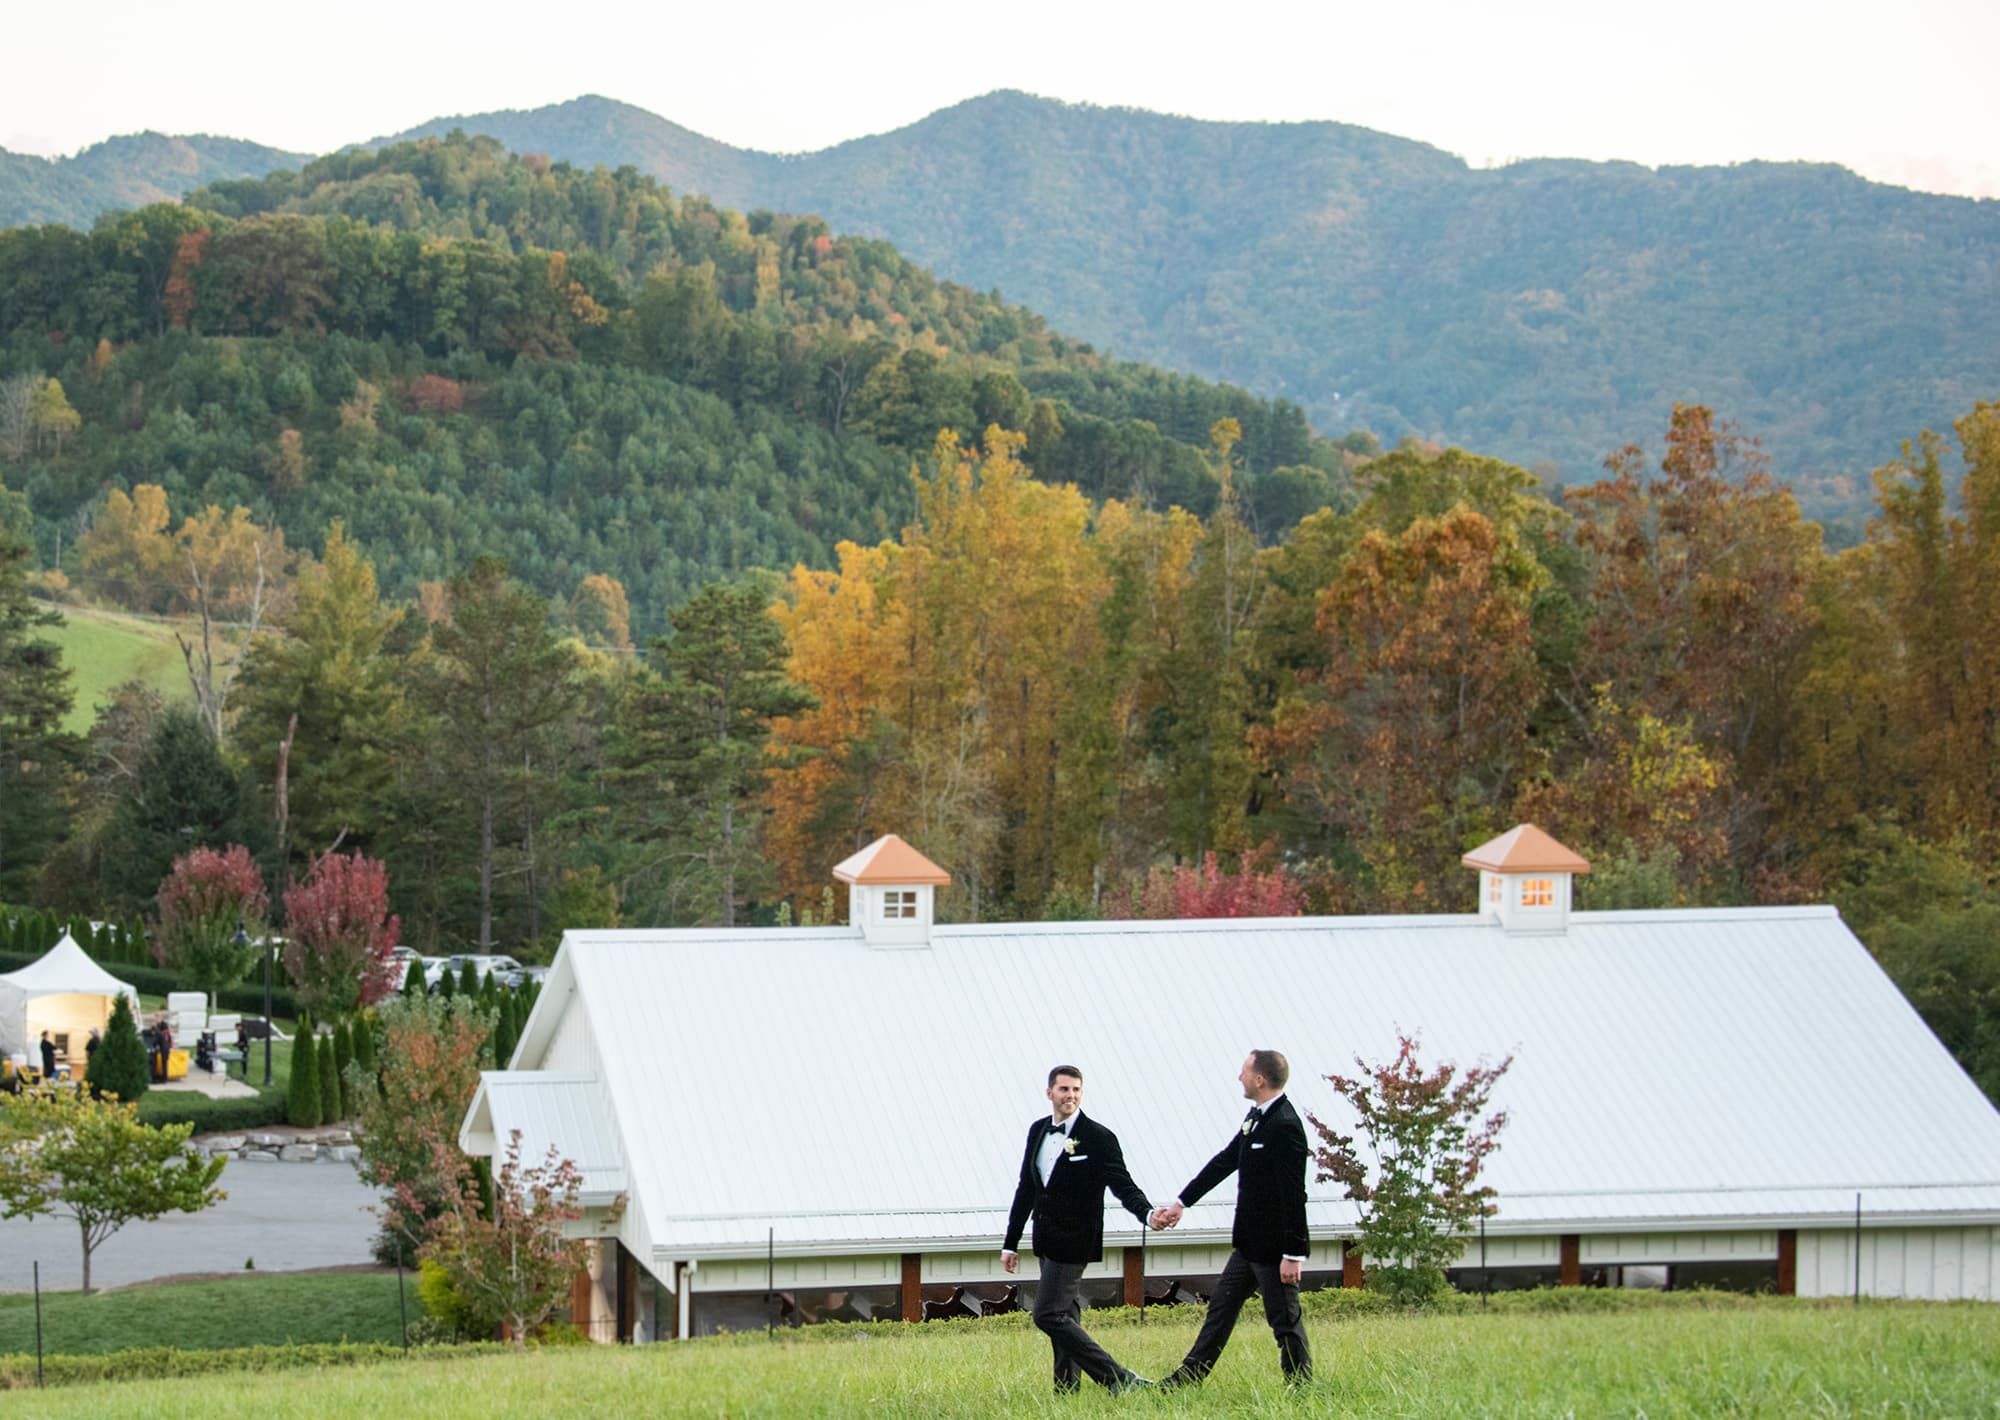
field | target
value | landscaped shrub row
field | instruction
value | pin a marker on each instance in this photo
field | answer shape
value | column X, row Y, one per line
column 151, row 1363
column 158, row 981
column 212, row 1116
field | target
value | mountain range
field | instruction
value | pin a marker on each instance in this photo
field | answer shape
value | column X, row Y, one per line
column 1549, row 311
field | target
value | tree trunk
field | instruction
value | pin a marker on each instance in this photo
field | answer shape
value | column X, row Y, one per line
column 86, row 1257
column 486, row 871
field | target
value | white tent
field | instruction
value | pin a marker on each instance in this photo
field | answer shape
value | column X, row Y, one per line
column 64, row 993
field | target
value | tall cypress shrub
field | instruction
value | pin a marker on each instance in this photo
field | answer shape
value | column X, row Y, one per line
column 343, row 1056
column 364, row 1043
column 119, row 1066
column 329, row 1081
column 302, row 1099
column 503, row 1037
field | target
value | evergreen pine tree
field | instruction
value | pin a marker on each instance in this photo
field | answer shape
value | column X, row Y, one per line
column 119, row 1066
column 184, row 796
column 447, row 986
column 302, row 1100
column 468, row 980
column 343, row 1056
column 413, row 980
column 36, row 752
column 329, row 1080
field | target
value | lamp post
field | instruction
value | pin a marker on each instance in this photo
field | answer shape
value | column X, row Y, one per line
column 242, row 939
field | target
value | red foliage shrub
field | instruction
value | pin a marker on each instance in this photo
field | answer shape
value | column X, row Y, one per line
column 203, row 889
column 1207, row 891
column 339, row 933
column 434, row 394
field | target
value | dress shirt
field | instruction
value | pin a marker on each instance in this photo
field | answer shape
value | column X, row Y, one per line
column 1052, row 1143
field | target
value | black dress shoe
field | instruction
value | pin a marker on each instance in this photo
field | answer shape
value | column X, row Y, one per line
column 1131, row 1380
column 1175, row 1380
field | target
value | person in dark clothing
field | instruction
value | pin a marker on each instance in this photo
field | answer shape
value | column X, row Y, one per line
column 90, row 1048
column 1268, row 1156
column 163, row 1044
column 48, row 1057
column 1068, row 1164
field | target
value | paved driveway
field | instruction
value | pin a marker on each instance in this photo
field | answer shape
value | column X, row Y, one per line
column 286, row 1216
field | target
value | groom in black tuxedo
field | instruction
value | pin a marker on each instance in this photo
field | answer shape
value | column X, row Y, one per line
column 1068, row 1164
column 1268, row 1156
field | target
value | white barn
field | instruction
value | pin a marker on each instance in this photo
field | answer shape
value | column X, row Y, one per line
column 839, row 1111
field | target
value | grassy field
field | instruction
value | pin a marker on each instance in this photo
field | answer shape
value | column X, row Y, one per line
column 104, row 649
column 238, row 1311
column 1773, row 1359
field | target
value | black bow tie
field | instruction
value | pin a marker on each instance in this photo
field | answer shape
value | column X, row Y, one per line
column 1254, row 1115
column 1061, row 1130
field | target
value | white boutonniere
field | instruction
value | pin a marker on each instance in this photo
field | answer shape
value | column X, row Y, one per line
column 1069, row 1146
column 1248, row 1125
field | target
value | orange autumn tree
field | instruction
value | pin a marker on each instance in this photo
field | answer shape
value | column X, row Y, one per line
column 1413, row 740
column 1698, row 582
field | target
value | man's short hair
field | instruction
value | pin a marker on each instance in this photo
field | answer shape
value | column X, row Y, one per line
column 1271, row 1065
column 1069, row 1070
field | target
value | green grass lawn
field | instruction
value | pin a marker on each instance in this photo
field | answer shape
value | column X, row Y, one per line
column 104, row 649
column 1777, row 1358
column 240, row 1311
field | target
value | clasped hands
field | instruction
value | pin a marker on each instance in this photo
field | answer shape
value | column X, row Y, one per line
column 1165, row 1216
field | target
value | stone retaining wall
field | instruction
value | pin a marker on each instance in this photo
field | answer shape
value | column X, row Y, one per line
column 292, row 1147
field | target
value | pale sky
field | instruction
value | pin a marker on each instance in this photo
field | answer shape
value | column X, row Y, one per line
column 1901, row 92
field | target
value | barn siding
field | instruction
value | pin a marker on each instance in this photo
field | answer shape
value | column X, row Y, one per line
column 572, row 1049
column 1940, row 1264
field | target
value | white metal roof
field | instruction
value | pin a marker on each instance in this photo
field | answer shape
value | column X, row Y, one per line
column 564, row 1111
column 1696, row 1067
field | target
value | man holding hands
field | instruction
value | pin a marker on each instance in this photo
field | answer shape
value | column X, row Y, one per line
column 1268, row 1156
column 1068, row 1164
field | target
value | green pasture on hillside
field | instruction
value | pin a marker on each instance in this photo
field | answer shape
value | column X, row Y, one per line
column 248, row 1310
column 1778, row 1358
column 104, row 649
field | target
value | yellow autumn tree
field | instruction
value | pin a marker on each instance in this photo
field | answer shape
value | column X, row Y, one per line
column 127, row 556
column 848, row 645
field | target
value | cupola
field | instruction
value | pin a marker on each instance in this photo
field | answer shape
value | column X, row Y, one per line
column 892, row 892
column 1524, row 879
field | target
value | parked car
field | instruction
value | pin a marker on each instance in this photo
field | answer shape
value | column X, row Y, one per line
column 402, row 960
column 504, row 969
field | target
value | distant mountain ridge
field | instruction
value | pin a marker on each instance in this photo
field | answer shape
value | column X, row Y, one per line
column 1547, row 312
column 128, row 171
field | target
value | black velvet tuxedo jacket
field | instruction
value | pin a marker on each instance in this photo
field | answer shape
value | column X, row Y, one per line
column 1069, row 1212
column 1269, row 1161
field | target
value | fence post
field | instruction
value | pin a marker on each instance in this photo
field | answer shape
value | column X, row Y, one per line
column 38, row 1325
column 402, row 1302
column 1857, row 1249
column 770, row 1282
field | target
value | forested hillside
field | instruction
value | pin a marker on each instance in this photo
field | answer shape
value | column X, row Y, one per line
column 457, row 352
column 1540, row 311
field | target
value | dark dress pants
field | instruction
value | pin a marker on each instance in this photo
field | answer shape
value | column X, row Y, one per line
column 1241, row 1277
column 1059, row 1313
